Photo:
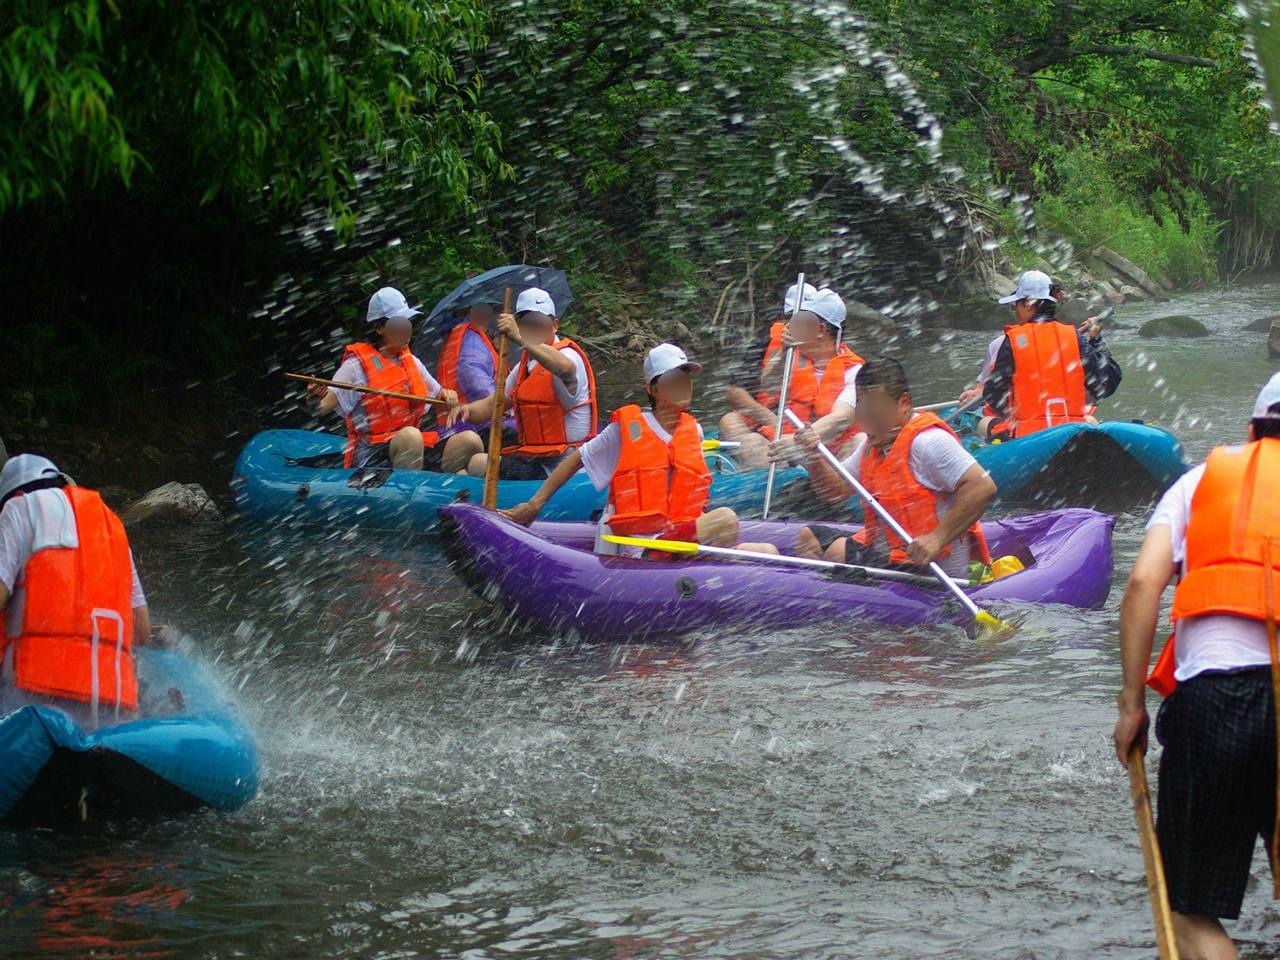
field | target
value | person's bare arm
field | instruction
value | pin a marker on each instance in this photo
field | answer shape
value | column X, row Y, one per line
column 527, row 512
column 141, row 626
column 749, row 406
column 823, row 477
column 835, row 423
column 321, row 397
column 973, row 493
column 1139, row 614
column 4, row 596
column 480, row 411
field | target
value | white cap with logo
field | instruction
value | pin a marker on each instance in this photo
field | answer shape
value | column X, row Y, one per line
column 789, row 300
column 826, row 303
column 536, row 299
column 666, row 357
column 1032, row 285
column 1267, row 406
column 390, row 304
column 27, row 468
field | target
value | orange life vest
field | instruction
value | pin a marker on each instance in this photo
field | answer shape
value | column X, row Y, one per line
column 447, row 362
column 764, row 397
column 386, row 415
column 888, row 477
column 1234, row 511
column 76, row 640
column 810, row 400
column 1048, row 377
column 539, row 415
column 657, row 484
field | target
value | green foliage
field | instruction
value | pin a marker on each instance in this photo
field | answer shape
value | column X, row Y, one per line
column 263, row 103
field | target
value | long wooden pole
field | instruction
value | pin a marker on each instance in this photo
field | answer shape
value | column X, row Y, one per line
column 788, row 361
column 1156, row 887
column 494, row 462
column 430, row 401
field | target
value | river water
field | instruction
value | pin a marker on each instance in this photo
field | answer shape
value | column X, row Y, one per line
column 429, row 790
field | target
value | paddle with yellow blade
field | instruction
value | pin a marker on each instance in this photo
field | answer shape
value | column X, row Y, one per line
column 829, row 566
column 985, row 620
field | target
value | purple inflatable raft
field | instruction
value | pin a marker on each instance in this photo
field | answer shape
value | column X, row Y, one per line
column 548, row 577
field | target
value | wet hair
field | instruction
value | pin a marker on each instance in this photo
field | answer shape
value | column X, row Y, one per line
column 1267, row 427
column 884, row 372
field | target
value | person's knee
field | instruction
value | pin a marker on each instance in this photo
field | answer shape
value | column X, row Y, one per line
column 477, row 465
column 718, row 527
column 736, row 396
column 837, row 551
column 405, row 449
column 730, row 425
column 807, row 544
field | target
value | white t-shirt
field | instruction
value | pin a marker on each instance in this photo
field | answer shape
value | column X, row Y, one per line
column 849, row 393
column 938, row 461
column 993, row 349
column 600, row 459
column 36, row 521
column 352, row 371
column 577, row 417
column 1213, row 641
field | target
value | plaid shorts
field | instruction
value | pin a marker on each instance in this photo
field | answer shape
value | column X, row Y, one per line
column 1217, row 790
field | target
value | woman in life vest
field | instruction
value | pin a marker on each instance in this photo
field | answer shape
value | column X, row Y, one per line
column 916, row 467
column 1044, row 373
column 72, row 604
column 651, row 461
column 467, row 364
column 823, row 389
column 754, row 411
column 1217, row 531
column 385, row 432
column 552, row 391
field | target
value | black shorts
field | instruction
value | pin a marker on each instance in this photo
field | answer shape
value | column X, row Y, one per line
column 867, row 555
column 1217, row 790
column 526, row 468
column 380, row 458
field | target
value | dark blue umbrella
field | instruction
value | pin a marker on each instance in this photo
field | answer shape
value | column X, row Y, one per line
column 491, row 286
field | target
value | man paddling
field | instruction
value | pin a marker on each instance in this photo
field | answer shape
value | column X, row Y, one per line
column 73, row 607
column 651, row 461
column 1217, row 791
column 384, row 431
column 1045, row 372
column 917, row 468
column 755, row 411
column 552, row 391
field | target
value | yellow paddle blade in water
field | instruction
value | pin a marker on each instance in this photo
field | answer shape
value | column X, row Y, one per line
column 993, row 626
column 670, row 546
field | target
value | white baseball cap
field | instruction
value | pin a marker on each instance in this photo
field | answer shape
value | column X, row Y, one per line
column 666, row 357
column 1032, row 285
column 27, row 468
column 535, row 298
column 1267, row 406
column 789, row 299
column 827, row 304
column 389, row 303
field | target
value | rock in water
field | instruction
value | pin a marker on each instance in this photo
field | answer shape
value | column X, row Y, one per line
column 1174, row 326
column 1261, row 325
column 174, row 503
column 1273, row 341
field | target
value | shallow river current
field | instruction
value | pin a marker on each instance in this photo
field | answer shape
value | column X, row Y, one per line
column 429, row 790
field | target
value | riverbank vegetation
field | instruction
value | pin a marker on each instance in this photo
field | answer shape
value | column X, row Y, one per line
column 194, row 193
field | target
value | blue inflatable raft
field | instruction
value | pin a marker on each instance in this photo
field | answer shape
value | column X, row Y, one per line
column 297, row 477
column 1115, row 464
column 187, row 750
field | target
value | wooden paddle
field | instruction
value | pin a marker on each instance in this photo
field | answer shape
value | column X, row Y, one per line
column 1160, row 912
column 694, row 549
column 430, row 401
column 788, row 361
column 492, row 465
column 987, row 621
